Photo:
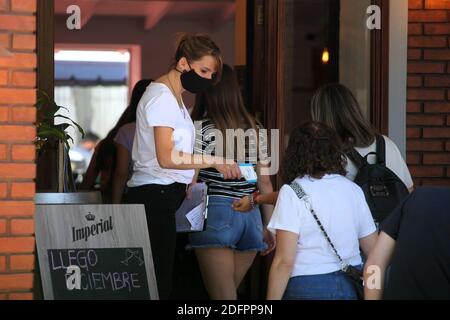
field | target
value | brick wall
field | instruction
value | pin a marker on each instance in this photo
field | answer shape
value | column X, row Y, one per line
column 428, row 119
column 17, row 152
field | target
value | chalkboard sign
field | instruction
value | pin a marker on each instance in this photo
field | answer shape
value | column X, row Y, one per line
column 107, row 274
column 95, row 252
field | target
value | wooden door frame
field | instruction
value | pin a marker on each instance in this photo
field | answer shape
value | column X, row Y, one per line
column 267, row 68
column 45, row 46
column 379, row 71
column 47, row 172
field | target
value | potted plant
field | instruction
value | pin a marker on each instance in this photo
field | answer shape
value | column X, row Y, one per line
column 52, row 143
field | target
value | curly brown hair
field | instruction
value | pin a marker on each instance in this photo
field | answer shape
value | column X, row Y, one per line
column 314, row 150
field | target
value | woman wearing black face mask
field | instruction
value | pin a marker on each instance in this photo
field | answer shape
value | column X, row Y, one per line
column 163, row 158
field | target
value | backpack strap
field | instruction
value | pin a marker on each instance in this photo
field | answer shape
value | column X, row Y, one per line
column 381, row 150
column 357, row 159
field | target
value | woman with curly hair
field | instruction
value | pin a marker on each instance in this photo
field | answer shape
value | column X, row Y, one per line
column 305, row 265
column 336, row 106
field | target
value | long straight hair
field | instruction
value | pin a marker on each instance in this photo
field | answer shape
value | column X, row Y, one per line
column 223, row 105
column 335, row 106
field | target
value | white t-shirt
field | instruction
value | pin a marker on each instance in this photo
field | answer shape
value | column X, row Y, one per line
column 342, row 209
column 159, row 108
column 394, row 161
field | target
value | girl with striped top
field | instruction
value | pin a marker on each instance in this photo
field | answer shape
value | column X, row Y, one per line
column 226, row 249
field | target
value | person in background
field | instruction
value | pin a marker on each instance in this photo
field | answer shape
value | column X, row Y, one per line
column 304, row 265
column 103, row 162
column 226, row 249
column 415, row 243
column 123, row 142
column 163, row 160
column 335, row 106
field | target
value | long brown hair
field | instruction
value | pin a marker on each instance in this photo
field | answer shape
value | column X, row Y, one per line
column 223, row 105
column 335, row 106
column 195, row 47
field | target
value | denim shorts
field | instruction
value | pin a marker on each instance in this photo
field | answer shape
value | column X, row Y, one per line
column 226, row 228
column 330, row 286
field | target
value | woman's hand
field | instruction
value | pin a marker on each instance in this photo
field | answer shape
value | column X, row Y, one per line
column 243, row 205
column 229, row 171
column 271, row 241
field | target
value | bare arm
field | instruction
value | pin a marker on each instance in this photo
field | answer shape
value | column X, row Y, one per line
column 121, row 173
column 169, row 158
column 368, row 243
column 265, row 187
column 375, row 268
column 268, row 198
column 91, row 174
column 193, row 182
column 195, row 178
column 244, row 204
column 282, row 264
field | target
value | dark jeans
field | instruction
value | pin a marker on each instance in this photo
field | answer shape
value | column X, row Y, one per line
column 331, row 286
column 161, row 202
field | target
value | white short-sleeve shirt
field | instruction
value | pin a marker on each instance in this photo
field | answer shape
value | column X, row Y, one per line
column 342, row 209
column 159, row 108
column 394, row 161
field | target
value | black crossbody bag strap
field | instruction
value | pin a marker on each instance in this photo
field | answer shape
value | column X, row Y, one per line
column 301, row 194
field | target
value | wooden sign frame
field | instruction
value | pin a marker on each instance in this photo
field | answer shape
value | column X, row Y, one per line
column 65, row 227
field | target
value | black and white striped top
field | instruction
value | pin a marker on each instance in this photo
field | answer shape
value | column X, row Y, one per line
column 205, row 143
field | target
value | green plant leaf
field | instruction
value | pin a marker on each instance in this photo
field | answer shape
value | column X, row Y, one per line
column 61, row 107
column 46, row 127
column 73, row 122
column 69, row 138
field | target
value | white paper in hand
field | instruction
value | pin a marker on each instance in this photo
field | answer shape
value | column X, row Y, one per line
column 192, row 213
column 196, row 217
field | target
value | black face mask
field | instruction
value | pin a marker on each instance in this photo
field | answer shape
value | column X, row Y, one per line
column 194, row 83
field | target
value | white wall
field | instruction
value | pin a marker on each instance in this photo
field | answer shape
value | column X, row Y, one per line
column 398, row 60
column 354, row 47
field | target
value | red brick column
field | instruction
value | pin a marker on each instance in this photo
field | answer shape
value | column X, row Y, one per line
column 428, row 119
column 17, row 151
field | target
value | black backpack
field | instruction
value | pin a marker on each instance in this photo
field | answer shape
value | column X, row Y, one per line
column 382, row 188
